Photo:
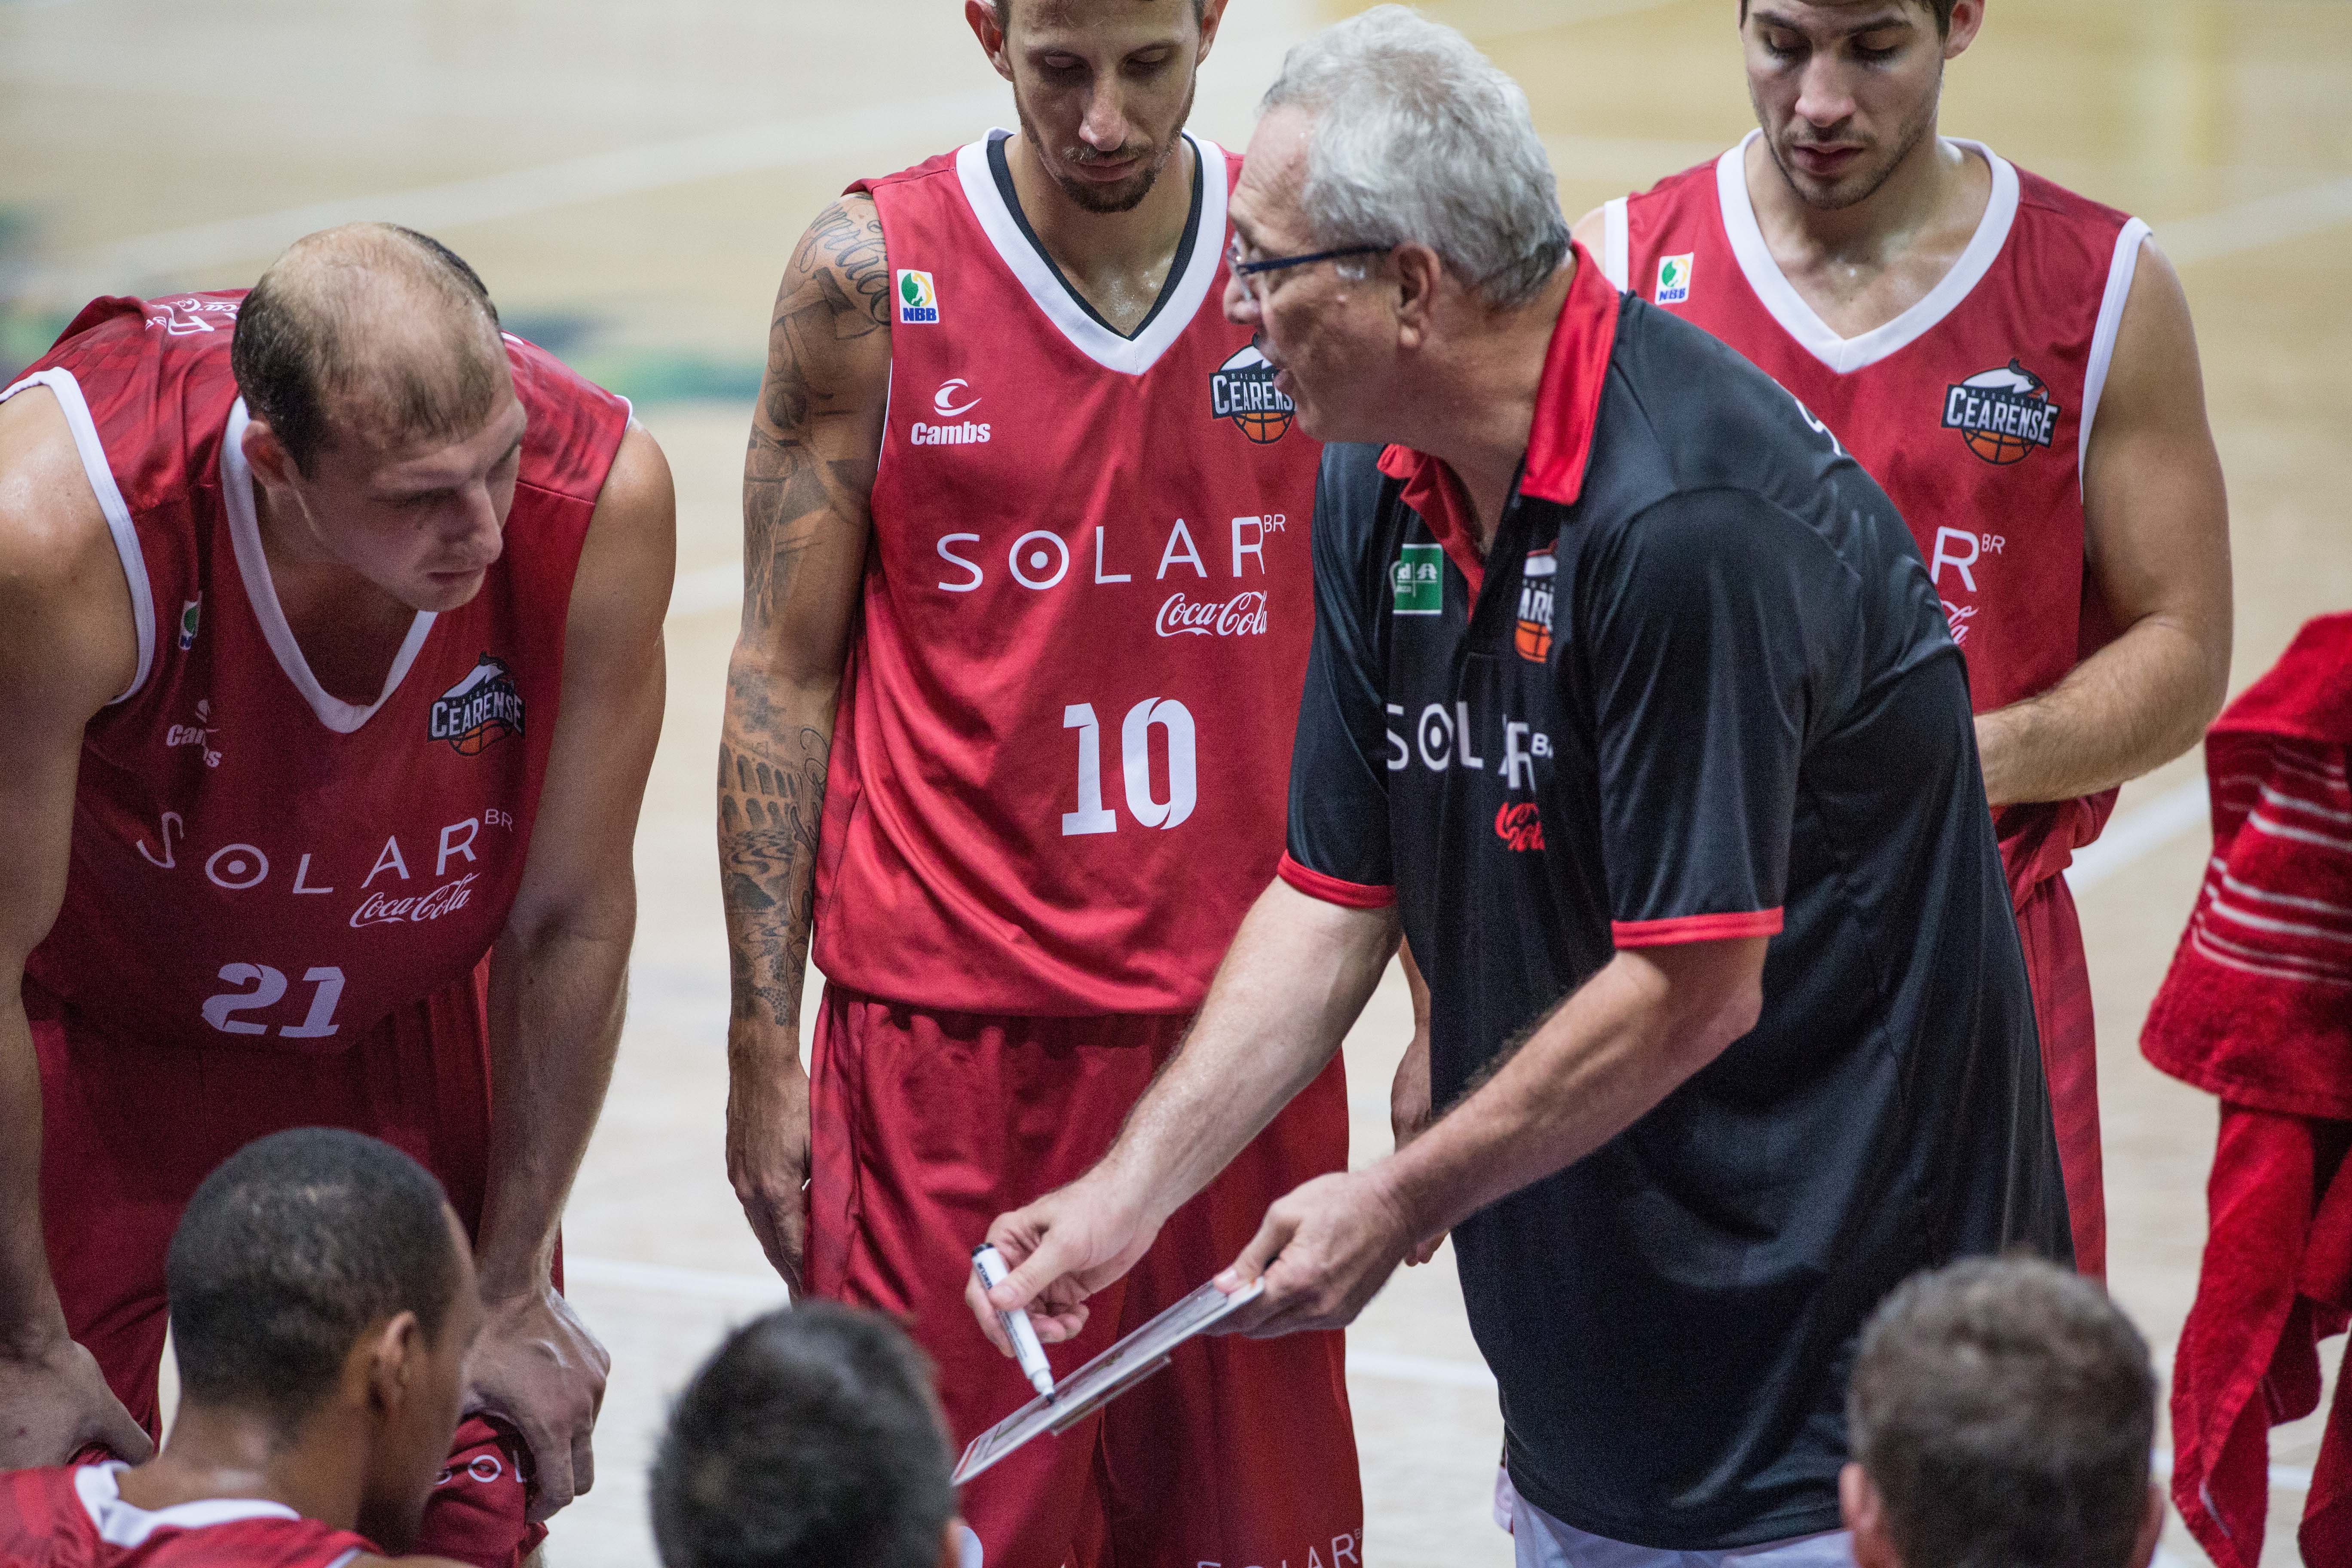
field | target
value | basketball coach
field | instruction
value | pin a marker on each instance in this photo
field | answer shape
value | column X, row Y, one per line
column 1631, row 703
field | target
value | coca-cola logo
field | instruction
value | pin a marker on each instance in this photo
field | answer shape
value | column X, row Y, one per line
column 1242, row 615
column 382, row 909
column 1519, row 826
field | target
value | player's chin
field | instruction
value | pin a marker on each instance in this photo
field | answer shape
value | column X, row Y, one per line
column 439, row 591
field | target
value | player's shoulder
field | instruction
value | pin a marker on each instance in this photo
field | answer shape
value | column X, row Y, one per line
column 937, row 165
column 55, row 540
column 2043, row 200
column 575, row 425
column 1695, row 183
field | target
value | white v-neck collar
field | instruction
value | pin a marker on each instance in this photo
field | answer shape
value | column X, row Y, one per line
column 1798, row 319
column 1133, row 356
column 253, row 566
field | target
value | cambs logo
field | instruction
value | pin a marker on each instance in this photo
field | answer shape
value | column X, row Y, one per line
column 2002, row 415
column 1242, row 390
column 918, row 299
column 479, row 710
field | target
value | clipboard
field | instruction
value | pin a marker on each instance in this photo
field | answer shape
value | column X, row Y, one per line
column 1106, row 1377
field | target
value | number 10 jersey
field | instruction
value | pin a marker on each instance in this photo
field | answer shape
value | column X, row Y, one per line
column 1059, row 768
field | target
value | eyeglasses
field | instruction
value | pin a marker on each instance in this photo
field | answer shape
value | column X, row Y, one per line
column 1247, row 271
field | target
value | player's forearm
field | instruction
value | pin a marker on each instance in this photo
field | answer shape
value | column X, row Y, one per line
column 31, row 1321
column 1618, row 1045
column 1299, row 973
column 557, row 997
column 2133, row 706
column 772, row 752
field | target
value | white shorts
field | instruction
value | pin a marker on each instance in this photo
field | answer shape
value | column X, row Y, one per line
column 1540, row 1540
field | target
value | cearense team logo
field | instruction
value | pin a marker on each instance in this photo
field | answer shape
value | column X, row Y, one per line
column 918, row 299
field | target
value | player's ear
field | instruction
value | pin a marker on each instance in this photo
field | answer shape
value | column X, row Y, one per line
column 980, row 15
column 1212, row 14
column 396, row 1354
column 959, row 1547
column 2151, row 1528
column 1865, row 1517
column 1968, row 16
column 266, row 455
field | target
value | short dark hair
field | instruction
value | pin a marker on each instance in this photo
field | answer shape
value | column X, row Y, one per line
column 2005, row 1410
column 1940, row 9
column 297, row 349
column 809, row 1439
column 1003, row 9
column 293, row 1248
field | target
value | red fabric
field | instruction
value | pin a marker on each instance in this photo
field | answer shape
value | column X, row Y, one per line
column 242, row 871
column 1059, row 772
column 2276, row 1280
column 1679, row 929
column 928, row 1125
column 2257, row 1007
column 2052, row 935
column 1332, row 889
column 1999, row 524
column 45, row 1523
column 1560, row 442
column 120, row 1154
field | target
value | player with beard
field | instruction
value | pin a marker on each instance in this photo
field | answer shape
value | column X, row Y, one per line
column 1027, row 606
column 2016, row 366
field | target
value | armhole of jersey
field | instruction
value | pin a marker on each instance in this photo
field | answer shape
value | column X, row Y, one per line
column 68, row 391
column 2120, row 273
column 1616, row 243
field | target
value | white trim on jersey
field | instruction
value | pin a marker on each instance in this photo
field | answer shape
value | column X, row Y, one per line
column 2120, row 273
column 1847, row 355
column 253, row 565
column 1616, row 243
column 1130, row 356
column 94, row 465
column 119, row 1524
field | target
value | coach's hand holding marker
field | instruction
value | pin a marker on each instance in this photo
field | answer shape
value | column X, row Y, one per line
column 988, row 1264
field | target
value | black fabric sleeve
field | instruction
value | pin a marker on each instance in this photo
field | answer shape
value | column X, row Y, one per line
column 1704, row 625
column 1339, row 838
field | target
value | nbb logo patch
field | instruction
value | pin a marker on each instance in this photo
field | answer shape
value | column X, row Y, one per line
column 918, row 299
column 2002, row 415
column 1418, row 577
column 1242, row 390
column 479, row 710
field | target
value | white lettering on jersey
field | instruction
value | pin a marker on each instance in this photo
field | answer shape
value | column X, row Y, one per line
column 1257, row 546
column 1169, row 556
column 1113, row 577
column 303, row 874
column 472, row 826
column 1444, row 742
column 1949, row 536
column 950, row 556
column 1031, row 551
column 390, row 858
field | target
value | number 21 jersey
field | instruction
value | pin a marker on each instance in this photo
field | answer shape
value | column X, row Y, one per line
column 1058, row 772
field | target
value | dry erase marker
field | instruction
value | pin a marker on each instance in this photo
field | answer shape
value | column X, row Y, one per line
column 990, row 1266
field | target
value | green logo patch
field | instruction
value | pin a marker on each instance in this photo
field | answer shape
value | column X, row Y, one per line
column 1419, row 578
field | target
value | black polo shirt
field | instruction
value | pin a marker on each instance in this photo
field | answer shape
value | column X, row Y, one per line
column 1701, row 687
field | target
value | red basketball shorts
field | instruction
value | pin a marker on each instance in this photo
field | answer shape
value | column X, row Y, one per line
column 926, row 1127
column 2053, row 938
column 129, row 1130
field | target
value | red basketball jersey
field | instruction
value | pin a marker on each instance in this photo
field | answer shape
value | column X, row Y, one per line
column 1973, row 408
column 1060, row 767
column 75, row 1518
column 255, row 859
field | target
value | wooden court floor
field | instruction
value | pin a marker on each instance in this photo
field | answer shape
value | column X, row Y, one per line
column 628, row 178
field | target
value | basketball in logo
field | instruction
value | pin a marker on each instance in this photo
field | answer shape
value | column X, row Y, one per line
column 2003, row 415
column 1242, row 390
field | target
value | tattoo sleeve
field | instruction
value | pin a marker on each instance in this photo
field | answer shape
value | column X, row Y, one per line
column 807, row 480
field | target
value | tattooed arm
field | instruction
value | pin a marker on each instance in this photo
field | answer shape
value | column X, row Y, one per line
column 807, row 480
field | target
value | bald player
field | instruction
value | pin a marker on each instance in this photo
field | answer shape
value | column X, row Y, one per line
column 330, row 647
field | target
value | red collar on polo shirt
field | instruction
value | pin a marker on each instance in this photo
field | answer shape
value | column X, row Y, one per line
column 1568, row 402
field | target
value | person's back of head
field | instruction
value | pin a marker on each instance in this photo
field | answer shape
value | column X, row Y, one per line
column 809, row 1439
column 2001, row 1415
column 321, row 1287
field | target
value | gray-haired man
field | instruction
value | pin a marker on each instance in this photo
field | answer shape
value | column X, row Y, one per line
column 1633, row 703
